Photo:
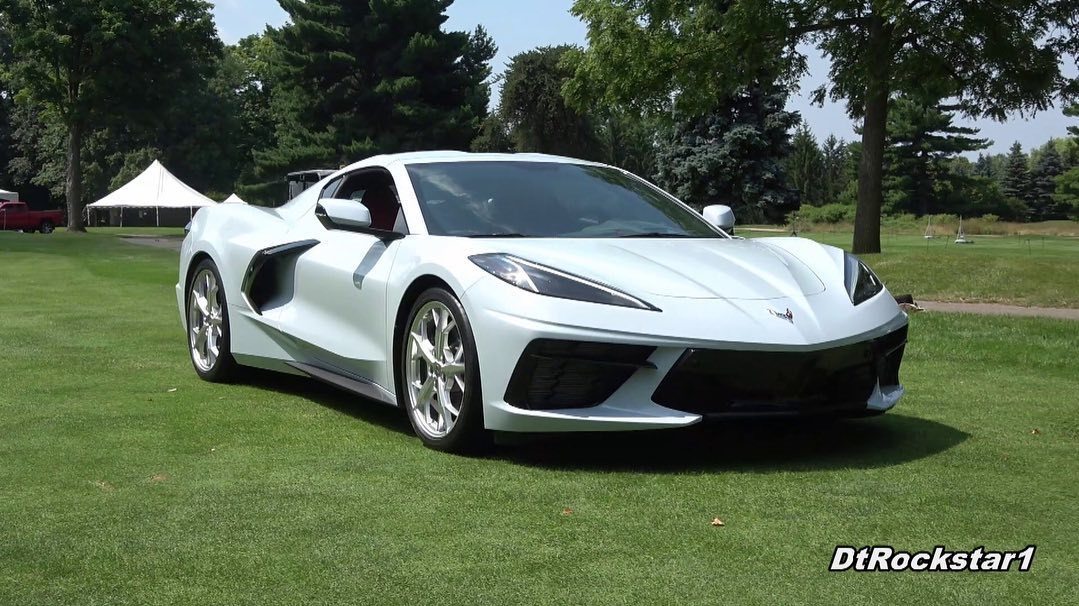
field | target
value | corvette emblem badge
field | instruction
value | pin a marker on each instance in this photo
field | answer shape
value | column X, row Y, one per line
column 788, row 316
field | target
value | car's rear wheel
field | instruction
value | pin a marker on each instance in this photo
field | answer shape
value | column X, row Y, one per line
column 46, row 227
column 439, row 377
column 208, row 325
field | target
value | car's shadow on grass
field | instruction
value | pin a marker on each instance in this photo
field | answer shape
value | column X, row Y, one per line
column 357, row 407
column 758, row 446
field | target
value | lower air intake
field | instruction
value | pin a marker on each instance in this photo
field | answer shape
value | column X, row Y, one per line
column 553, row 374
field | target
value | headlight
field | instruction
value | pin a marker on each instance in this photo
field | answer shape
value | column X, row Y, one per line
column 551, row 282
column 862, row 283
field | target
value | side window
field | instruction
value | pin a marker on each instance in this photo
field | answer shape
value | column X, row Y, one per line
column 330, row 191
column 375, row 189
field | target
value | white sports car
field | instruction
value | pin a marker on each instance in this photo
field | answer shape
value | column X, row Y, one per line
column 532, row 293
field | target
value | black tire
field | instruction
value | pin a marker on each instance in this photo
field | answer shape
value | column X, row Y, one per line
column 46, row 227
column 467, row 436
column 223, row 368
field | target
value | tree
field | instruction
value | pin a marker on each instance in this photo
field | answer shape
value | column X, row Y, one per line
column 835, row 166
column 88, row 65
column 989, row 166
column 921, row 141
column 1070, row 145
column 1043, row 184
column 805, row 166
column 353, row 78
column 537, row 114
column 1072, row 111
column 494, row 136
column 628, row 140
column 1016, row 180
column 1067, row 193
column 733, row 155
column 7, row 106
column 991, row 58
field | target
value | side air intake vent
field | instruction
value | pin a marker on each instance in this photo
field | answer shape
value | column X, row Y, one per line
column 268, row 279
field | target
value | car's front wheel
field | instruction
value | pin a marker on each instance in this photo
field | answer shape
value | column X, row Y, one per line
column 208, row 325
column 439, row 376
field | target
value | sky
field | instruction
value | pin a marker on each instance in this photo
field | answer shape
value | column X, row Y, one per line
column 520, row 25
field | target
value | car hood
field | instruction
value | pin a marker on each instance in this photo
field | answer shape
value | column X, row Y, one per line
column 707, row 268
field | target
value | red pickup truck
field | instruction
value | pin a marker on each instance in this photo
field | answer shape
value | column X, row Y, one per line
column 16, row 215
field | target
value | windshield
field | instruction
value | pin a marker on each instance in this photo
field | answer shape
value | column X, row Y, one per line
column 546, row 200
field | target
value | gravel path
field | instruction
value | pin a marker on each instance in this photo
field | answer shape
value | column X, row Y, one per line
column 996, row 309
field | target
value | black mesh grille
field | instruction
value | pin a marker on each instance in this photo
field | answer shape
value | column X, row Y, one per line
column 763, row 382
column 554, row 374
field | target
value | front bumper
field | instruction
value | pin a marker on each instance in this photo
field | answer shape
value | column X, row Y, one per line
column 620, row 380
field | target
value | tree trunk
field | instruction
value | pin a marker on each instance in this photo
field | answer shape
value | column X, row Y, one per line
column 874, row 130
column 73, row 186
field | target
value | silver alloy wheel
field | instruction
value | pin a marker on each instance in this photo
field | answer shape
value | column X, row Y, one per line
column 204, row 320
column 435, row 370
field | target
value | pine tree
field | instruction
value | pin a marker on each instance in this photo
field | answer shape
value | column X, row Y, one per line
column 805, row 166
column 1016, row 181
column 353, row 78
column 733, row 155
column 921, row 140
column 835, row 155
column 1043, row 185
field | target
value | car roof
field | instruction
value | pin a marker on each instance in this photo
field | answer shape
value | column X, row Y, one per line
column 426, row 157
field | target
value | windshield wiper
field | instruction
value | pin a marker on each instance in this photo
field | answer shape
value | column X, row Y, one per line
column 508, row 234
column 657, row 234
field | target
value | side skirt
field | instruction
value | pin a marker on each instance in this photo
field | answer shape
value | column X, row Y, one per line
column 356, row 385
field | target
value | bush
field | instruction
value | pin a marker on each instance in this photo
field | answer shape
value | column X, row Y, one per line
column 829, row 213
column 904, row 221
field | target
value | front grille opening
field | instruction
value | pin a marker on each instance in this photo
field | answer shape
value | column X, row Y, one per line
column 553, row 374
column 783, row 382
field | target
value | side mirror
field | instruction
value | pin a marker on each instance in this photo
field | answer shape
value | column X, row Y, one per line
column 343, row 213
column 719, row 215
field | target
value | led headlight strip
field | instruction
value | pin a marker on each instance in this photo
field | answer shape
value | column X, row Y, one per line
column 551, row 282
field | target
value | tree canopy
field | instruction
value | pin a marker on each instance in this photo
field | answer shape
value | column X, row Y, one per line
column 537, row 114
column 732, row 155
column 989, row 58
column 84, row 66
column 356, row 78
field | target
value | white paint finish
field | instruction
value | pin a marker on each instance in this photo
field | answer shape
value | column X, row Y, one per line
column 348, row 289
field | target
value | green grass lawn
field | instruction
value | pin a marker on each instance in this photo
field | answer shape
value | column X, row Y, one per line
column 1019, row 270
column 125, row 480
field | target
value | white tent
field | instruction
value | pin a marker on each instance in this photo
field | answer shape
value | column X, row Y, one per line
column 155, row 188
column 8, row 195
column 234, row 199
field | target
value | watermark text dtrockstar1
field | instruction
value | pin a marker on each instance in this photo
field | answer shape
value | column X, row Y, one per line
column 883, row 558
